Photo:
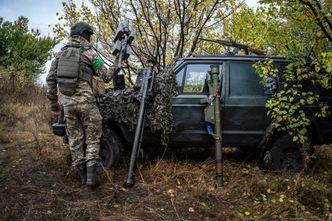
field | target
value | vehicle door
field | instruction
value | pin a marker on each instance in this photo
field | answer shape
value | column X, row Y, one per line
column 244, row 113
column 188, row 106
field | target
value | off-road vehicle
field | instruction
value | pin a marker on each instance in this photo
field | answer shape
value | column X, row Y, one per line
column 245, row 123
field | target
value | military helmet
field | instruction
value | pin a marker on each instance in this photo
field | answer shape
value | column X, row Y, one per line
column 79, row 28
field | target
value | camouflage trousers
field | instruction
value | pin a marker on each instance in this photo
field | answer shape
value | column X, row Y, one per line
column 84, row 129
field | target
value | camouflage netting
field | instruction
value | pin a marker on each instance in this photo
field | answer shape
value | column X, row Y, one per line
column 122, row 106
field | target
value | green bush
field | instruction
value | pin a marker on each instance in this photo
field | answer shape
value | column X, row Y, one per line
column 22, row 52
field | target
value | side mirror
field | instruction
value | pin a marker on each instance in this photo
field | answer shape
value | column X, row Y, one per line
column 270, row 86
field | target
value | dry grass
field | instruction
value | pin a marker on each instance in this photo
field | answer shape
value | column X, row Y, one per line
column 37, row 182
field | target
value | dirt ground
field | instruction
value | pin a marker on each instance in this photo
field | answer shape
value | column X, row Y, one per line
column 38, row 183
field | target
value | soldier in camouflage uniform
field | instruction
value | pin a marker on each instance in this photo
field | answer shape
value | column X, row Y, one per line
column 71, row 75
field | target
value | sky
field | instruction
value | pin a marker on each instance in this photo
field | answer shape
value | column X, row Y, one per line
column 41, row 14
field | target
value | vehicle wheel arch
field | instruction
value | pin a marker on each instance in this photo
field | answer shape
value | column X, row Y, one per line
column 112, row 145
column 282, row 154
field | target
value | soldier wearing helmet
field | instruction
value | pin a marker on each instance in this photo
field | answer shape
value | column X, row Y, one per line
column 71, row 75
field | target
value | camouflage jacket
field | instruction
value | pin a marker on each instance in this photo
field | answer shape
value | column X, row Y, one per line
column 83, row 92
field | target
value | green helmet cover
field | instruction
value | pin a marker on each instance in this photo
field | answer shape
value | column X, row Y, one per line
column 79, row 28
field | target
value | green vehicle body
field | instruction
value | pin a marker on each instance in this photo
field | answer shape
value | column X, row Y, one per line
column 245, row 123
column 244, row 119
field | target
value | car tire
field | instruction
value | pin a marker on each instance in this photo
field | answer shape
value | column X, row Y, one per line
column 111, row 147
column 284, row 155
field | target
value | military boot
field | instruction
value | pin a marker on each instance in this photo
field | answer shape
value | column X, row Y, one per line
column 82, row 173
column 92, row 178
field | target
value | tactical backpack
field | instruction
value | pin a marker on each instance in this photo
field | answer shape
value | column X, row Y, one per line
column 70, row 70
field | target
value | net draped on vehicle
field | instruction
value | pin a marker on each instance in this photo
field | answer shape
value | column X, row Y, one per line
column 122, row 106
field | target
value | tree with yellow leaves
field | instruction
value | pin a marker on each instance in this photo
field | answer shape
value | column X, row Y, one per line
column 165, row 29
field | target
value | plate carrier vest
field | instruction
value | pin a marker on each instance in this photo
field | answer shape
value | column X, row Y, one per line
column 72, row 66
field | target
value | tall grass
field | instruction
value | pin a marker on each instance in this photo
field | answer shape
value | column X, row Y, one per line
column 38, row 184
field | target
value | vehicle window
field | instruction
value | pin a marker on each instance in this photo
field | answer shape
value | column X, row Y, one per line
column 179, row 78
column 244, row 81
column 195, row 78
